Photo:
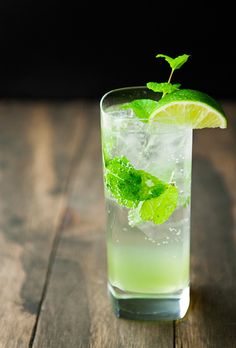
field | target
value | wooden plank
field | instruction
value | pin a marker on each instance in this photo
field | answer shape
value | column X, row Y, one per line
column 76, row 311
column 211, row 319
column 37, row 144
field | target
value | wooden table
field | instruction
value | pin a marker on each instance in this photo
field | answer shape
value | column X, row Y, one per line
column 52, row 242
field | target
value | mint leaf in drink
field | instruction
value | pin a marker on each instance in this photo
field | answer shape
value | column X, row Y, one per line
column 160, row 208
column 142, row 108
column 175, row 63
column 123, row 182
column 149, row 198
column 128, row 185
column 163, row 87
column 151, row 186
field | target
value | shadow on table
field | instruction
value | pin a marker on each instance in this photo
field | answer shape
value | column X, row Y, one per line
column 212, row 312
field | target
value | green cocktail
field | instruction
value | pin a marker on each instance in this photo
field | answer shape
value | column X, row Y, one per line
column 149, row 268
column 147, row 157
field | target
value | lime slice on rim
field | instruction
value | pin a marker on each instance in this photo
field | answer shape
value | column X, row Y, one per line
column 191, row 108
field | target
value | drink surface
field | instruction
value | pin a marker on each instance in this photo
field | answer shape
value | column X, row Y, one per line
column 146, row 258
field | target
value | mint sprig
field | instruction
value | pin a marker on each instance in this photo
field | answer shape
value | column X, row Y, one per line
column 175, row 63
column 163, row 87
column 143, row 108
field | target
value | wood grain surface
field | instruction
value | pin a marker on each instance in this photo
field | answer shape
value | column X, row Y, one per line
column 52, row 236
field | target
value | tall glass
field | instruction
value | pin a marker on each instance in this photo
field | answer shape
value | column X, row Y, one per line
column 148, row 263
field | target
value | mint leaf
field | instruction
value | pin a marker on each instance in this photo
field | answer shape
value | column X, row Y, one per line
column 128, row 185
column 142, row 108
column 149, row 198
column 151, row 186
column 160, row 208
column 175, row 63
column 163, row 87
column 123, row 181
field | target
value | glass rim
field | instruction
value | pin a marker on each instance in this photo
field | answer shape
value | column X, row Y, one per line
column 170, row 128
column 120, row 89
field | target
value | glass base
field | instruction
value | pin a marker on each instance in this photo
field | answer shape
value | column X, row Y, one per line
column 171, row 306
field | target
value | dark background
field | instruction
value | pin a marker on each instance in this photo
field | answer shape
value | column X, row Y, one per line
column 64, row 50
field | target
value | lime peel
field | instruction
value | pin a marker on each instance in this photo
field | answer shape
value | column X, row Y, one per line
column 189, row 108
